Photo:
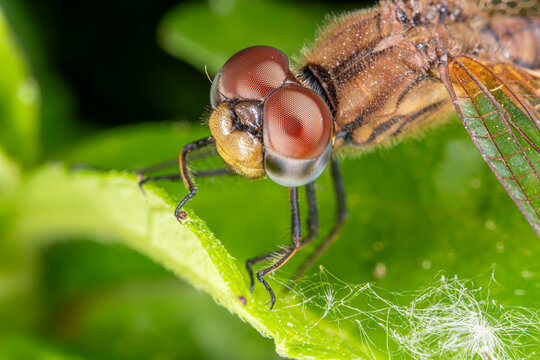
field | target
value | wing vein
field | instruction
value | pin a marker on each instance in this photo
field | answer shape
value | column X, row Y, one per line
column 504, row 118
column 469, row 84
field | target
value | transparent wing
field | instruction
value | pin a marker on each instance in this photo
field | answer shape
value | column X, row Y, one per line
column 499, row 105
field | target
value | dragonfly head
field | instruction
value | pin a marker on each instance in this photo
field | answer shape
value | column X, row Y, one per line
column 266, row 122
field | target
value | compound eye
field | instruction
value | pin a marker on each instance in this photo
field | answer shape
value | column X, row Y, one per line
column 297, row 134
column 297, row 123
column 252, row 73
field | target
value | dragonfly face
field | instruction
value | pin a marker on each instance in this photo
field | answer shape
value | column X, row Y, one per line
column 265, row 122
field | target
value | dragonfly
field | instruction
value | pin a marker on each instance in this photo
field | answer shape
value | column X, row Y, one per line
column 373, row 77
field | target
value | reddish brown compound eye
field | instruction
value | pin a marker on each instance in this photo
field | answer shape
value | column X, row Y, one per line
column 252, row 73
column 297, row 135
column 297, row 123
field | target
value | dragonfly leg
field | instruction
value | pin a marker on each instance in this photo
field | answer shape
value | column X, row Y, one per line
column 155, row 167
column 184, row 172
column 253, row 261
column 158, row 177
column 313, row 228
column 296, row 235
column 313, row 219
column 341, row 216
column 78, row 166
column 197, row 174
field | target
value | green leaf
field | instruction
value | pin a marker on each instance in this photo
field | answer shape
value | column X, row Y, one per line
column 111, row 207
column 19, row 100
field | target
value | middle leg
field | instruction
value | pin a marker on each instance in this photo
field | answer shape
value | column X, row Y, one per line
column 313, row 229
column 296, row 235
column 341, row 216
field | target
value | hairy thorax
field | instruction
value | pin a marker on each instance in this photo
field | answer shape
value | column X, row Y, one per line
column 378, row 68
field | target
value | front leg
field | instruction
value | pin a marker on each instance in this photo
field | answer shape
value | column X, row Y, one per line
column 184, row 172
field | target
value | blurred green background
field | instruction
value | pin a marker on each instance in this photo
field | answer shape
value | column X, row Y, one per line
column 104, row 67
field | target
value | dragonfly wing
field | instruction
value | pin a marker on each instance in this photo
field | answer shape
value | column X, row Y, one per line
column 499, row 105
